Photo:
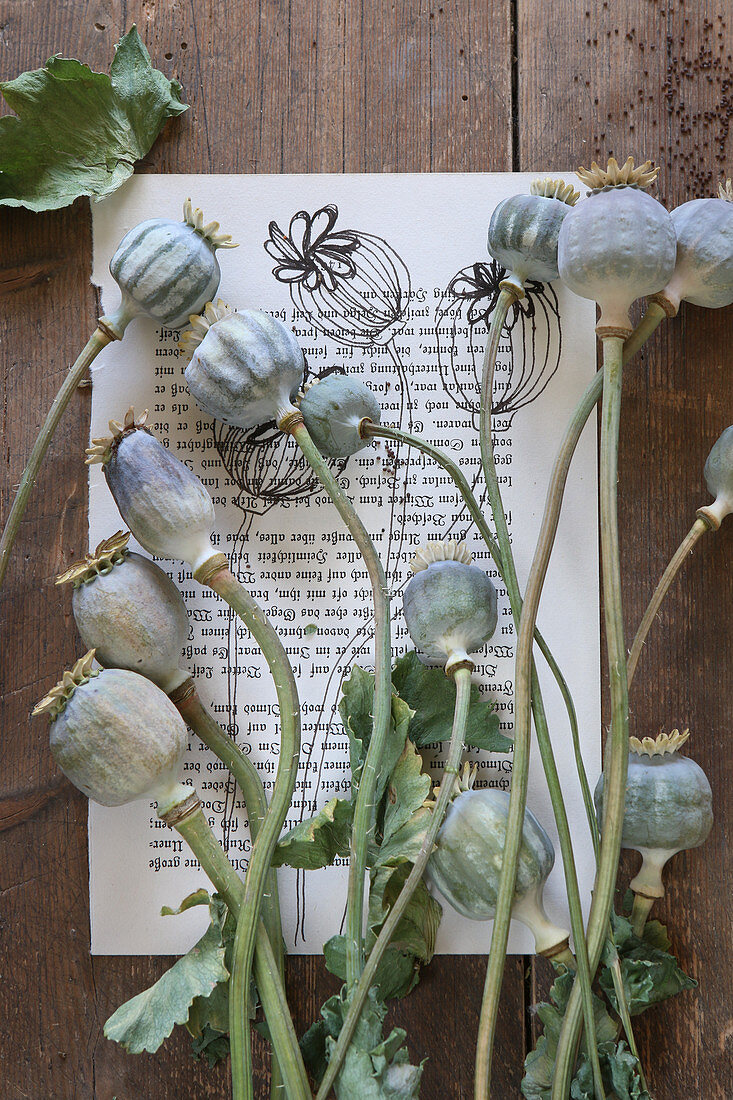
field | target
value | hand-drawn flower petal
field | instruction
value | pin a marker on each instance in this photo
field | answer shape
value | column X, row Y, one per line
column 322, row 223
column 279, row 246
column 287, row 273
column 300, row 231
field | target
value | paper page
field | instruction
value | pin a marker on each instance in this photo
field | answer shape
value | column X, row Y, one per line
column 422, row 244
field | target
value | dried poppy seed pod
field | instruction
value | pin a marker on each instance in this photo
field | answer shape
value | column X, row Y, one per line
column 466, row 864
column 334, row 409
column 245, row 368
column 668, row 809
column 524, row 229
column 449, row 605
column 163, row 503
column 168, row 269
column 115, row 735
column 130, row 612
column 703, row 273
column 719, row 479
column 618, row 245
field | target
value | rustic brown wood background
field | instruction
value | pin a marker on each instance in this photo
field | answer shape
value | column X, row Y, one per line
column 355, row 86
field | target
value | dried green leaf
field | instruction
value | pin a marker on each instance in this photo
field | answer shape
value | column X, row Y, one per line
column 619, row 1072
column 145, row 1021
column 76, row 132
column 432, row 696
column 374, row 1068
column 650, row 973
column 198, row 897
column 355, row 707
column 317, row 841
column 540, row 1062
column 407, row 789
column 211, row 1045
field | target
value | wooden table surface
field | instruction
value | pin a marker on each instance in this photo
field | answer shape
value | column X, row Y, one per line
column 369, row 86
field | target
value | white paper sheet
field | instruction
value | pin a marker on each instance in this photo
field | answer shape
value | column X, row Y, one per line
column 426, row 235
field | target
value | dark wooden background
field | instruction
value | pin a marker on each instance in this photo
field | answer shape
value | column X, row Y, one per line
column 355, row 86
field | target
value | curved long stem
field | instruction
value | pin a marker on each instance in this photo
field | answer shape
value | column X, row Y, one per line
column 245, row 774
column 699, row 527
column 520, row 779
column 195, row 830
column 225, row 584
column 247, row 778
column 364, row 809
column 616, row 763
column 98, row 340
column 462, row 677
column 383, row 431
column 548, row 530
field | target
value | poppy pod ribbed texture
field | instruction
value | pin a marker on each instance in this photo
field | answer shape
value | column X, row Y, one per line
column 617, row 245
column 130, row 612
column 164, row 504
column 524, row 230
column 245, row 368
column 168, row 269
column 466, row 863
column 668, row 801
column 114, row 734
column 719, row 476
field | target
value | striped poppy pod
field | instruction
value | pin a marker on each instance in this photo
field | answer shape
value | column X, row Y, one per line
column 668, row 808
column 719, row 479
column 703, row 273
column 524, row 230
column 450, row 605
column 168, row 269
column 244, row 368
column 466, row 864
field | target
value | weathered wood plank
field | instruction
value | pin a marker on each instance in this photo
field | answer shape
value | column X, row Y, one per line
column 654, row 80
column 331, row 85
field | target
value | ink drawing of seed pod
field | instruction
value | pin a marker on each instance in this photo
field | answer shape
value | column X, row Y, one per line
column 531, row 342
column 352, row 286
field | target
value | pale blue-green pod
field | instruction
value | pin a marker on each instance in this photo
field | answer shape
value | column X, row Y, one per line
column 333, row 409
column 449, row 605
column 115, row 735
column 466, row 863
column 130, row 612
column 245, row 368
column 169, row 269
column 618, row 245
column 163, row 503
column 719, row 478
column 703, row 273
column 668, row 809
column 524, row 230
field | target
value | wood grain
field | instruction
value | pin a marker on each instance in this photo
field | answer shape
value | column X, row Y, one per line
column 346, row 85
column 322, row 86
column 654, row 80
